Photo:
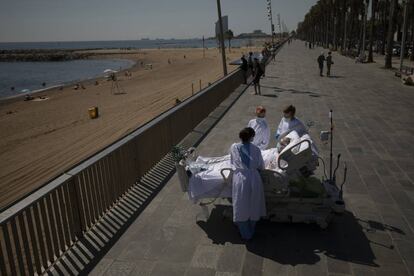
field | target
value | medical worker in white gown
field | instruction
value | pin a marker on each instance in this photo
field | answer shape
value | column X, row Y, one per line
column 248, row 195
column 289, row 122
column 261, row 128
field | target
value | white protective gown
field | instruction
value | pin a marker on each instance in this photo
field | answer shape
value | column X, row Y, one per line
column 248, row 195
column 262, row 137
column 287, row 125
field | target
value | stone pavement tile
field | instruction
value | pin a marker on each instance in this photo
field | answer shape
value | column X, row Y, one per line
column 406, row 249
column 383, row 248
column 338, row 266
column 252, row 264
column 406, row 184
column 101, row 267
column 391, row 269
column 119, row 268
column 143, row 268
column 206, row 256
column 362, row 270
column 377, row 190
column 401, row 198
column 182, row 247
column 311, row 270
column 168, row 268
column 198, row 271
column 396, row 224
column 231, row 258
column 219, row 273
column 271, row 268
column 410, row 267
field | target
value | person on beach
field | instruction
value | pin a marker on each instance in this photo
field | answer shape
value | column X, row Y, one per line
column 257, row 74
column 247, row 192
column 244, row 67
column 321, row 60
column 329, row 63
column 261, row 128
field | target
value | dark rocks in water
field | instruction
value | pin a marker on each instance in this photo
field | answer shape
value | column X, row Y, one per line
column 42, row 55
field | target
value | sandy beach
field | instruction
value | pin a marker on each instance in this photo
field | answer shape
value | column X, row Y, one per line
column 41, row 139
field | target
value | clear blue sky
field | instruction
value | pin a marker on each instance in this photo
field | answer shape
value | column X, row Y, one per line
column 72, row 20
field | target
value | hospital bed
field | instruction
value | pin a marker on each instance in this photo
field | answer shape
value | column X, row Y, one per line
column 292, row 193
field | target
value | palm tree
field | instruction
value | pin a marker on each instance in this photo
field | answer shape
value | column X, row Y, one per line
column 390, row 34
column 372, row 29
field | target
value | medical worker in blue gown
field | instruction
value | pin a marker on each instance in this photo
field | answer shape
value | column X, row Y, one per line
column 248, row 195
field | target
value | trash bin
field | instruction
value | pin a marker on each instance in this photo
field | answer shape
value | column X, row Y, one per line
column 93, row 112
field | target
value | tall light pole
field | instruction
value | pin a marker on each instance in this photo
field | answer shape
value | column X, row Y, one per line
column 403, row 35
column 270, row 16
column 223, row 50
column 280, row 28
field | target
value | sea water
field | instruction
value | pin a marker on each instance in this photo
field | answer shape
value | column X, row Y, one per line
column 31, row 75
column 133, row 44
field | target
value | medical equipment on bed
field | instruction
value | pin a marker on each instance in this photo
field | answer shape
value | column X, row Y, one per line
column 292, row 194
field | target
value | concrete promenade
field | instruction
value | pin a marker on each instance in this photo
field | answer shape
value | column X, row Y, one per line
column 374, row 130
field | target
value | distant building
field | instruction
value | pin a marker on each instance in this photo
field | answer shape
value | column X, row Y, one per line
column 259, row 32
column 225, row 20
column 254, row 34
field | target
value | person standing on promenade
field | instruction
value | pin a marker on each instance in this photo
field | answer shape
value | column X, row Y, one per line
column 289, row 122
column 250, row 62
column 244, row 66
column 260, row 126
column 247, row 192
column 329, row 63
column 321, row 60
column 257, row 74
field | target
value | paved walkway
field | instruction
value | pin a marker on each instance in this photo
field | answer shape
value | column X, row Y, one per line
column 374, row 127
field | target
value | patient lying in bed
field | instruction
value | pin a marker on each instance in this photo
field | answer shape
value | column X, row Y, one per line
column 206, row 180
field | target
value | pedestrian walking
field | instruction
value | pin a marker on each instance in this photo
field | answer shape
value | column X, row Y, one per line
column 250, row 62
column 244, row 67
column 329, row 63
column 257, row 73
column 321, row 60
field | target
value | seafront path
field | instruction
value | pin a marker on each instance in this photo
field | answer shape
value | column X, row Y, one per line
column 374, row 130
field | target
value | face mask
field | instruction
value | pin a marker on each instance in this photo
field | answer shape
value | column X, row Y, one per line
column 286, row 119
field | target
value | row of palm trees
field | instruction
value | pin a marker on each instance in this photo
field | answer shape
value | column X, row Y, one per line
column 340, row 25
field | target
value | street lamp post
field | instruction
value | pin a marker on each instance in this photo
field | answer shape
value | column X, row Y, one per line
column 223, row 50
column 403, row 36
column 270, row 16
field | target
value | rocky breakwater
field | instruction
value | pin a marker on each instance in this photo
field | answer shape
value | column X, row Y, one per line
column 43, row 55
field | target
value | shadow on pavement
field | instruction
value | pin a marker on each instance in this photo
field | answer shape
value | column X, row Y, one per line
column 294, row 244
column 269, row 95
column 293, row 91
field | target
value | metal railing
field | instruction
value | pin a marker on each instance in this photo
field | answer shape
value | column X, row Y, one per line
column 36, row 231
